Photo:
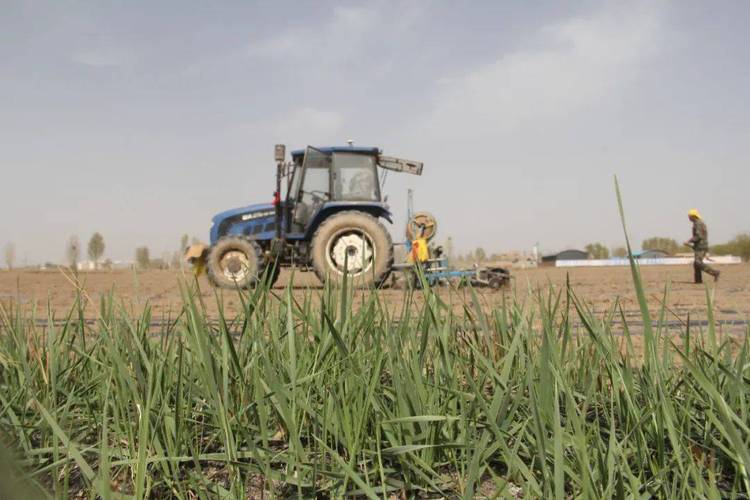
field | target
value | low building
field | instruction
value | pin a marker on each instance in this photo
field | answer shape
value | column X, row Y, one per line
column 651, row 254
column 570, row 254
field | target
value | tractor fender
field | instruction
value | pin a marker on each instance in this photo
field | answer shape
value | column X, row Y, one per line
column 377, row 210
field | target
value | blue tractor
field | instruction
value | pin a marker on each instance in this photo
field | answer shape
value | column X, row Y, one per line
column 329, row 220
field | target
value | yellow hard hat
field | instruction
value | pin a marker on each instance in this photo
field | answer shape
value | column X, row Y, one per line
column 693, row 212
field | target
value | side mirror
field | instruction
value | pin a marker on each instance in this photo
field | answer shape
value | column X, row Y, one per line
column 279, row 152
column 385, row 199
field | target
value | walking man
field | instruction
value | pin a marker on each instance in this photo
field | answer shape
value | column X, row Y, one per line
column 699, row 243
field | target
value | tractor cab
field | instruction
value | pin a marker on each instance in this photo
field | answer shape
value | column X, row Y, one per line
column 330, row 175
column 322, row 181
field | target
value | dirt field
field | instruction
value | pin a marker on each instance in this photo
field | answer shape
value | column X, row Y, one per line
column 598, row 287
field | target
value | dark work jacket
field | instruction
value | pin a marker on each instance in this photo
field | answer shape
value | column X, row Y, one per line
column 700, row 236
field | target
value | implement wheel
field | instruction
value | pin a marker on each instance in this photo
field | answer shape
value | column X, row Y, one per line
column 498, row 278
column 421, row 225
column 234, row 262
column 352, row 243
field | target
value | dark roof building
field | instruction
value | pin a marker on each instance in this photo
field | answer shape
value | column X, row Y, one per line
column 570, row 254
column 651, row 254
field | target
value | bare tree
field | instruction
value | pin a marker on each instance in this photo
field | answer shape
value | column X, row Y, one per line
column 73, row 252
column 10, row 255
column 184, row 243
column 96, row 248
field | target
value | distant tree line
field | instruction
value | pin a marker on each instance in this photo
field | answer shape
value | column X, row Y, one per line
column 143, row 259
column 666, row 245
column 170, row 260
column 739, row 245
column 96, row 249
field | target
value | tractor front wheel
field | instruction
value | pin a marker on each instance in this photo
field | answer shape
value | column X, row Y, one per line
column 355, row 244
column 234, row 262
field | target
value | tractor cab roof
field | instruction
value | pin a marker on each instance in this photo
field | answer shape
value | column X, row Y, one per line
column 340, row 149
column 386, row 162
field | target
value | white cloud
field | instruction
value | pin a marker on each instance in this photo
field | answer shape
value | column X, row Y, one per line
column 580, row 61
column 309, row 126
column 341, row 38
column 281, row 45
column 104, row 57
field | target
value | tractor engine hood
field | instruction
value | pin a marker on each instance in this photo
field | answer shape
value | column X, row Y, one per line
column 266, row 209
column 237, row 218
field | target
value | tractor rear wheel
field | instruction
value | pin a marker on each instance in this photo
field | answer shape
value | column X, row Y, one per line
column 234, row 262
column 352, row 243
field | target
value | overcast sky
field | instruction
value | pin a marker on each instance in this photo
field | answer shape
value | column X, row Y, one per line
column 143, row 119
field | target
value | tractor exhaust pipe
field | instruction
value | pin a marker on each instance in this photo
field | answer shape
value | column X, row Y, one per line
column 280, row 156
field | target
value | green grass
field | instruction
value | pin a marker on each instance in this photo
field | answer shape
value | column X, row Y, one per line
column 334, row 394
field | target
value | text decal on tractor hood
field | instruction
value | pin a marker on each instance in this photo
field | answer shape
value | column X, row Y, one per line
column 258, row 215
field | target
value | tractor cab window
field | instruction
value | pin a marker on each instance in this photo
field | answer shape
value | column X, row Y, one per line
column 314, row 185
column 293, row 191
column 355, row 177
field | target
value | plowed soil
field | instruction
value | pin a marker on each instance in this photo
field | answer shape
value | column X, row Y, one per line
column 599, row 288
